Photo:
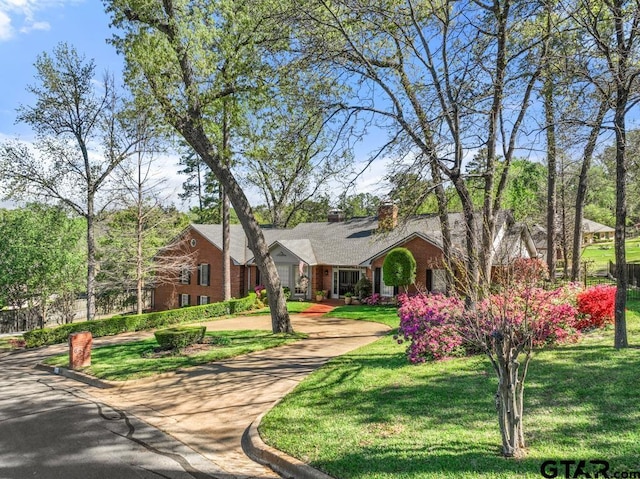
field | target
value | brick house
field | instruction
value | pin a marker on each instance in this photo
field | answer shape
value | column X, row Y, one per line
column 332, row 256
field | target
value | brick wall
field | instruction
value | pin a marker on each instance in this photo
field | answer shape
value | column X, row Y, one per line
column 167, row 295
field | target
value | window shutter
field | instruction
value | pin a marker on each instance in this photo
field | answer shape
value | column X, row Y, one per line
column 208, row 276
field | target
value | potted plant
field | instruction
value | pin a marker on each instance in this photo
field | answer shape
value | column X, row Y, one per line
column 348, row 297
column 319, row 296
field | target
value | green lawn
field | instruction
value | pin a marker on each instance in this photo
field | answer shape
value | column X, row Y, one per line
column 600, row 254
column 292, row 307
column 370, row 414
column 132, row 360
column 381, row 314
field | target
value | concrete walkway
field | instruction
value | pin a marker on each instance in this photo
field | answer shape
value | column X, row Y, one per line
column 209, row 407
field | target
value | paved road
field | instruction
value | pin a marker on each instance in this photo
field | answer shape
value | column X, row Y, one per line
column 50, row 428
column 206, row 407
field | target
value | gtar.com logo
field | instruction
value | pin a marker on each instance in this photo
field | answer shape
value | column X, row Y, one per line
column 585, row 469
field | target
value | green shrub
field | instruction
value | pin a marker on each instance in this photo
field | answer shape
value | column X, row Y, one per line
column 179, row 337
column 141, row 322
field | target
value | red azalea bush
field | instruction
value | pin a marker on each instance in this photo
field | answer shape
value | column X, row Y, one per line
column 596, row 305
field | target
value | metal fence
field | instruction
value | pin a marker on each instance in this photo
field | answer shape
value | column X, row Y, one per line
column 27, row 319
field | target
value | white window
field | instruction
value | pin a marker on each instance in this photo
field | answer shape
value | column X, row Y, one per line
column 203, row 300
column 385, row 290
column 184, row 300
column 203, row 275
column 185, row 276
column 284, row 271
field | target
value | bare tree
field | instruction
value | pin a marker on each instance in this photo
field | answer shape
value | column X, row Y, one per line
column 73, row 120
column 447, row 77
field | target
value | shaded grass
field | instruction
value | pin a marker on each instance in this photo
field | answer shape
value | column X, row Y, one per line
column 370, row 414
column 133, row 360
column 9, row 343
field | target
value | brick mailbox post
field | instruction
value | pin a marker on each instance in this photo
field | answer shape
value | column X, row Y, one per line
column 80, row 349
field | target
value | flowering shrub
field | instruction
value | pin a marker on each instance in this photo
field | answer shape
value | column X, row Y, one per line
column 596, row 305
column 523, row 272
column 438, row 326
column 531, row 315
column 428, row 321
column 373, row 300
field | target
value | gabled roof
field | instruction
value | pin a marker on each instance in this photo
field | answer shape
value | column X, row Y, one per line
column 237, row 240
column 589, row 226
column 355, row 242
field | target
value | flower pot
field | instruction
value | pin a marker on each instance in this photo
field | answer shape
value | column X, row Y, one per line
column 319, row 297
column 348, row 299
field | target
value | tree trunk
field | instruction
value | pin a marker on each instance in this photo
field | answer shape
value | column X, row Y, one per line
column 509, row 398
column 582, row 190
column 224, row 200
column 620, row 340
column 226, row 246
column 199, row 141
column 549, row 113
column 473, row 282
column 91, row 260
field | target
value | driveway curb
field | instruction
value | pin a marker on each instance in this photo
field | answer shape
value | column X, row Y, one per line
column 285, row 465
column 75, row 375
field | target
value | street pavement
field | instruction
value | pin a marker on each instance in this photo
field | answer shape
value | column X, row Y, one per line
column 187, row 423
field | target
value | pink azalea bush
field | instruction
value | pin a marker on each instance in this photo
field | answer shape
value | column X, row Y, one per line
column 438, row 326
column 532, row 315
column 428, row 322
column 373, row 300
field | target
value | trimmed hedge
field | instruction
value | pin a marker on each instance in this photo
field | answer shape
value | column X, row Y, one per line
column 138, row 322
column 180, row 336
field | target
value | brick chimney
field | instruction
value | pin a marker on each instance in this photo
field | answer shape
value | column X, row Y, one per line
column 335, row 216
column 387, row 216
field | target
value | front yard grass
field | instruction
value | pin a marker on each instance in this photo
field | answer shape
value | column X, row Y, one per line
column 136, row 359
column 380, row 314
column 370, row 414
column 292, row 306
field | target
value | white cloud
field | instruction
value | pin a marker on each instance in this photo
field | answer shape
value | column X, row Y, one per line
column 23, row 13
column 6, row 30
column 42, row 26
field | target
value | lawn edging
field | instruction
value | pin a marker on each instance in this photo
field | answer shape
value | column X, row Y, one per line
column 288, row 466
column 138, row 322
column 75, row 375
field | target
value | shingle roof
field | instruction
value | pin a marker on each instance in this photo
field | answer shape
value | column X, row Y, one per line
column 589, row 226
column 347, row 243
column 237, row 240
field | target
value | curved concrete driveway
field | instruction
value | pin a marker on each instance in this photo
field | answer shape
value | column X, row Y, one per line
column 209, row 407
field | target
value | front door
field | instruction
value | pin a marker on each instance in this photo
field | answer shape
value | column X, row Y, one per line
column 347, row 279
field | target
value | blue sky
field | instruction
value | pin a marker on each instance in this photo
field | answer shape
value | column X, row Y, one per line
column 31, row 27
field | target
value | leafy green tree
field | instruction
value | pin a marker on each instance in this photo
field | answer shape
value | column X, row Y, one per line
column 73, row 118
column 186, row 58
column 41, row 259
column 202, row 186
column 399, row 268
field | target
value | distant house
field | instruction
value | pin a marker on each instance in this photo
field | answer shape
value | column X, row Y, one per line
column 331, row 256
column 592, row 232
